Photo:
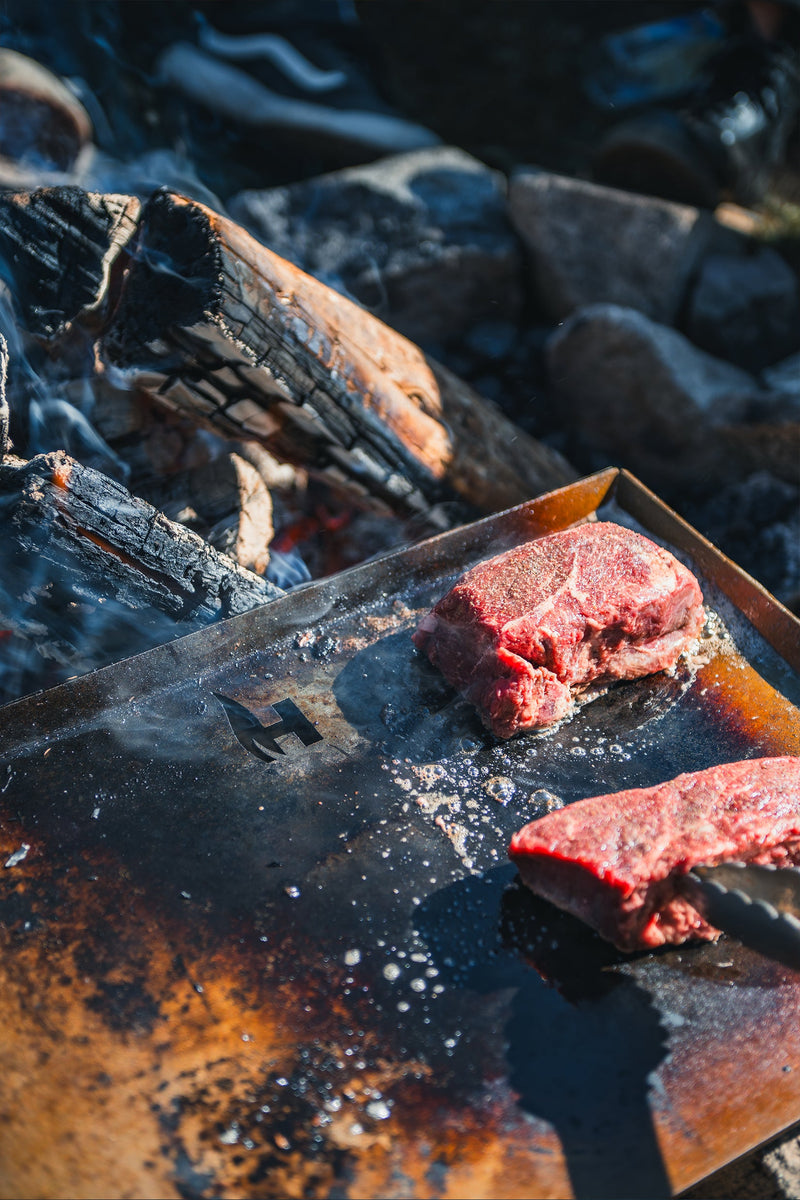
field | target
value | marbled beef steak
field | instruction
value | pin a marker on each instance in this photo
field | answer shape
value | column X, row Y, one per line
column 614, row 860
column 520, row 633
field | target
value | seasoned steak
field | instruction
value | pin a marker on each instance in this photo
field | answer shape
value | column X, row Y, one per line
column 520, row 633
column 614, row 860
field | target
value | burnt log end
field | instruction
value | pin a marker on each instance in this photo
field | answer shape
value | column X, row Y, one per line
column 58, row 247
column 71, row 522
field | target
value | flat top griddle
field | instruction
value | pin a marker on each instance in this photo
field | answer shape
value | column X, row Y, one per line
column 261, row 936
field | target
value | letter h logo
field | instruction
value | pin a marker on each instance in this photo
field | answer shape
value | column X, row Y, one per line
column 262, row 740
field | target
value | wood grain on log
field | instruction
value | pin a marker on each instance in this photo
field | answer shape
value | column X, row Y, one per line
column 230, row 507
column 59, row 246
column 218, row 326
column 72, row 523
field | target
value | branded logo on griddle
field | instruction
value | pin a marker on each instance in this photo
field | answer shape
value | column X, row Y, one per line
column 273, row 741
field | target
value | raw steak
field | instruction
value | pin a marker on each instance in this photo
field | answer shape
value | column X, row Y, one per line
column 520, row 633
column 614, row 860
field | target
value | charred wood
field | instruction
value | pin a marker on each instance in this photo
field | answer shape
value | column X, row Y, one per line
column 279, row 476
column 121, row 416
column 216, row 325
column 226, row 502
column 151, row 441
column 58, row 247
column 72, row 527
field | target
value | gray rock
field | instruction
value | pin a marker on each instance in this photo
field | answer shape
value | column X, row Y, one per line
column 772, row 446
column 745, row 308
column 769, row 439
column 422, row 239
column 591, row 244
column 784, row 378
column 641, row 392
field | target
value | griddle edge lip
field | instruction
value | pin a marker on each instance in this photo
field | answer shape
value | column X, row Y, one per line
column 775, row 622
column 52, row 711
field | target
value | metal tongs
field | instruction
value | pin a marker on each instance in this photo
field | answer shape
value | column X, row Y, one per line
column 758, row 905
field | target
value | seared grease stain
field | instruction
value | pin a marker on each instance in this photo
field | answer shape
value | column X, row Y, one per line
column 746, row 708
column 126, row 1006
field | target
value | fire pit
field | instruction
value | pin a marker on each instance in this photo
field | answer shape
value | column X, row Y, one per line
column 261, row 934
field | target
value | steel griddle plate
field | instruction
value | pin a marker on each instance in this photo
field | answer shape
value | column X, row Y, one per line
column 261, row 937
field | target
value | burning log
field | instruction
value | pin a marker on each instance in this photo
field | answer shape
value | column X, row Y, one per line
column 227, row 502
column 59, row 246
column 71, row 524
column 216, row 325
column 225, row 331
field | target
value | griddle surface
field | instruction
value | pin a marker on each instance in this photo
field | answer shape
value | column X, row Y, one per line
column 244, row 963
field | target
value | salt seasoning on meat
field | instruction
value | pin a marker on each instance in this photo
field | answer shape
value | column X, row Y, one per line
column 616, row 860
column 521, row 633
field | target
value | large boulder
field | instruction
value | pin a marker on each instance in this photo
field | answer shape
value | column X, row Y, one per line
column 641, row 393
column 784, row 379
column 421, row 239
column 745, row 308
column 590, row 244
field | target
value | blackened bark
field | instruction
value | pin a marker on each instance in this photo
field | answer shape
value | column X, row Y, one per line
column 229, row 505
column 70, row 523
column 58, row 247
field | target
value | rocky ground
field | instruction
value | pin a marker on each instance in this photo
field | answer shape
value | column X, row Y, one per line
column 711, row 305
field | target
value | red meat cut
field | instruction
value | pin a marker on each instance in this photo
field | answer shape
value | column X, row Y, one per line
column 520, row 633
column 615, row 860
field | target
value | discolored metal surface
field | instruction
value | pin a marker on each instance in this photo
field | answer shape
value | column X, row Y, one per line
column 261, row 936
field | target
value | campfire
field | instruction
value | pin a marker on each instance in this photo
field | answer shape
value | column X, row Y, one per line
column 273, row 306
column 209, row 400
